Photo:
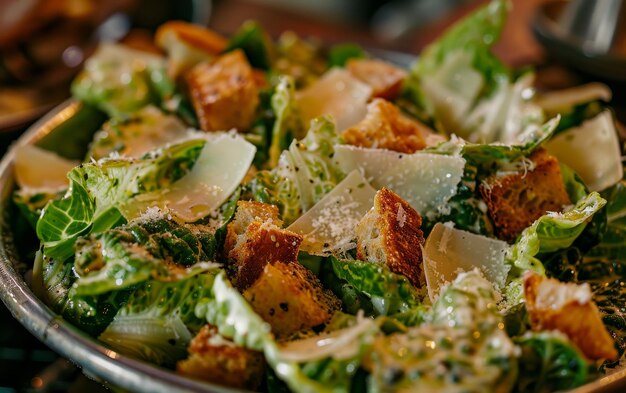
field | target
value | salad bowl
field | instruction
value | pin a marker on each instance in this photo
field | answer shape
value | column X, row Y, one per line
column 96, row 360
column 431, row 230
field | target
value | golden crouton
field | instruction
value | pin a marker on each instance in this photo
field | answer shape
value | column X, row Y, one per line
column 187, row 44
column 516, row 200
column 261, row 243
column 386, row 128
column 246, row 213
column 290, row 298
column 390, row 233
column 384, row 79
column 568, row 308
column 215, row 359
column 224, row 93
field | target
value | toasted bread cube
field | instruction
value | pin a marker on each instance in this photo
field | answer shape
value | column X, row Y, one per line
column 516, row 200
column 386, row 128
column 568, row 308
column 215, row 359
column 187, row 44
column 261, row 243
column 291, row 298
column 224, row 93
column 385, row 79
column 246, row 213
column 390, row 233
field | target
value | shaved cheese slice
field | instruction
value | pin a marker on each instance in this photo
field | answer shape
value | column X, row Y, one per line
column 336, row 93
column 39, row 170
column 329, row 226
column 220, row 168
column 339, row 344
column 425, row 180
column 373, row 163
column 153, row 129
column 449, row 251
column 592, row 150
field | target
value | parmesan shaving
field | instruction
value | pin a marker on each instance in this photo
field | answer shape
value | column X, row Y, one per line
column 329, row 226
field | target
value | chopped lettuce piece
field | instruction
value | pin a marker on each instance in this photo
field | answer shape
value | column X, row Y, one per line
column 329, row 226
column 612, row 245
column 158, row 321
column 449, row 251
column 288, row 124
column 549, row 362
column 339, row 55
column 462, row 347
column 117, row 79
column 31, row 204
column 304, row 60
column 147, row 248
column 305, row 173
column 385, row 292
column 551, row 232
column 467, row 90
column 101, row 192
column 91, row 314
column 256, row 44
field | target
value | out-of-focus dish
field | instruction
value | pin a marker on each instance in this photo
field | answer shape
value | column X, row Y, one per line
column 359, row 227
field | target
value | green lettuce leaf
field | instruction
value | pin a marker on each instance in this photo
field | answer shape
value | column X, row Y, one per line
column 466, row 89
column 372, row 286
column 548, row 234
column 304, row 174
column 91, row 314
column 101, row 192
column 288, row 124
column 31, row 205
column 256, row 44
column 158, row 320
column 118, row 80
column 154, row 248
column 461, row 347
column 339, row 55
column 549, row 362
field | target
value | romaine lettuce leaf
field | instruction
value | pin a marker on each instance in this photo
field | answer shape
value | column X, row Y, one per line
column 461, row 347
column 305, row 173
column 158, row 321
column 288, row 124
column 549, row 362
column 256, row 44
column 91, row 314
column 100, row 194
column 467, row 90
column 550, row 233
column 146, row 248
column 117, row 80
column 386, row 292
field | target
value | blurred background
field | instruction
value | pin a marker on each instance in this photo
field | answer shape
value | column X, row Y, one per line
column 43, row 44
